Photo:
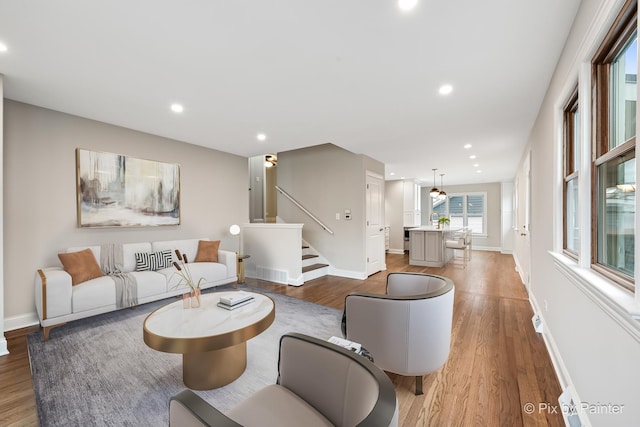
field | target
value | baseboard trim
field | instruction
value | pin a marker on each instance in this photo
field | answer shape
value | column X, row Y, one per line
column 296, row 282
column 360, row 275
column 396, row 251
column 519, row 270
column 485, row 248
column 558, row 364
column 3, row 346
column 19, row 322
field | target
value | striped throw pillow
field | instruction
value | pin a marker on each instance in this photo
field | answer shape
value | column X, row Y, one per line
column 153, row 261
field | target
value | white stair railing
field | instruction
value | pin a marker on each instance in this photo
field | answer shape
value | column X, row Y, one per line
column 303, row 209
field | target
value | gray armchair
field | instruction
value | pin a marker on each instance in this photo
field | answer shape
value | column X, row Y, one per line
column 319, row 384
column 407, row 330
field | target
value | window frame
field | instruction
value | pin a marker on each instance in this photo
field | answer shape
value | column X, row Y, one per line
column 614, row 42
column 465, row 216
column 571, row 162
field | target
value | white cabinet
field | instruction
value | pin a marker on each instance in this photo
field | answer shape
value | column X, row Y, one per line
column 411, row 204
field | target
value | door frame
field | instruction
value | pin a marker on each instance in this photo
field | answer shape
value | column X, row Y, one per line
column 371, row 267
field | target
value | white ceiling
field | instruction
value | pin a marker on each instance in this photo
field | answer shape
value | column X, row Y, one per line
column 360, row 74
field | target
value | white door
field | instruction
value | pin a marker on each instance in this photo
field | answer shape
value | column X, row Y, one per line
column 523, row 215
column 375, row 223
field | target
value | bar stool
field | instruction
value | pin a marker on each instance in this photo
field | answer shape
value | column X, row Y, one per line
column 460, row 241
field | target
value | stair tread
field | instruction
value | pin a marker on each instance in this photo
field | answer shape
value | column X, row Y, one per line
column 309, row 256
column 313, row 267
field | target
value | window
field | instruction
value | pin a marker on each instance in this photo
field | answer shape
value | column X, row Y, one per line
column 440, row 206
column 475, row 213
column 464, row 210
column 571, row 237
column 456, row 212
column 615, row 69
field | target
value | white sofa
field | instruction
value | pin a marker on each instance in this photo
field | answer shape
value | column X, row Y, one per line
column 58, row 301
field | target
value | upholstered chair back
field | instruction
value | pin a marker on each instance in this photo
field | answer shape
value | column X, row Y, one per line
column 319, row 384
column 408, row 330
column 343, row 390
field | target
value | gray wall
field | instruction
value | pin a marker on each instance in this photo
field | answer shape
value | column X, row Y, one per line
column 493, row 240
column 326, row 180
column 40, row 193
column 597, row 351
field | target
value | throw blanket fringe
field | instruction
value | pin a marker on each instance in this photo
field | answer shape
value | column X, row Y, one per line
column 112, row 262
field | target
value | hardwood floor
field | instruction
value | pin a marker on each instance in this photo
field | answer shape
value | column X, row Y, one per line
column 496, row 366
column 498, row 363
column 17, row 401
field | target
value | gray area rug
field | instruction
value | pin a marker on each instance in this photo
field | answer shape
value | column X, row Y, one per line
column 99, row 372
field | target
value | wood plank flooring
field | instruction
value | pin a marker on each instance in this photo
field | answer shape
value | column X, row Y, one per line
column 17, row 401
column 497, row 362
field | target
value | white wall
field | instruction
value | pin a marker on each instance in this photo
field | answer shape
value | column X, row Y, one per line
column 40, row 194
column 275, row 252
column 326, row 180
column 594, row 342
column 394, row 199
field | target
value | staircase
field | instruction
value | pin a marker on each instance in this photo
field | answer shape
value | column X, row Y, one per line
column 312, row 264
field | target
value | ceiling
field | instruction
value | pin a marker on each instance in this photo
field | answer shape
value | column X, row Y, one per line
column 360, row 74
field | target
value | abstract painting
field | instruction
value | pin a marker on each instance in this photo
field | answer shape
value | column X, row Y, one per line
column 121, row 191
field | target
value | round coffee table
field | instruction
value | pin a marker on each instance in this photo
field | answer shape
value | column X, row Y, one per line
column 211, row 339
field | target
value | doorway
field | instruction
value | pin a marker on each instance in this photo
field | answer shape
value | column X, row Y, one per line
column 263, row 197
column 374, row 200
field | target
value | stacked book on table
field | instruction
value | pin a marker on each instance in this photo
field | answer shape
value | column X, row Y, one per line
column 237, row 300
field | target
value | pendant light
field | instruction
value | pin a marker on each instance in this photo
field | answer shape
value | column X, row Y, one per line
column 434, row 191
column 442, row 194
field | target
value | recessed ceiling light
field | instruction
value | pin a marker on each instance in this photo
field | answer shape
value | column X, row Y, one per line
column 479, row 171
column 177, row 108
column 467, row 146
column 3, row 47
column 475, row 165
column 407, row 5
column 445, row 89
column 261, row 137
column 473, row 156
column 392, row 173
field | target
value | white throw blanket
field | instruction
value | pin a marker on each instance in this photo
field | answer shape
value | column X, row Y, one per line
column 112, row 262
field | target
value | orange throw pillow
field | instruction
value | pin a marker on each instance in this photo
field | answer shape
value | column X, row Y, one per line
column 82, row 266
column 207, row 251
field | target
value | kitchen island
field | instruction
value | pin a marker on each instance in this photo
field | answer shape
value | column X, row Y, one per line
column 426, row 246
